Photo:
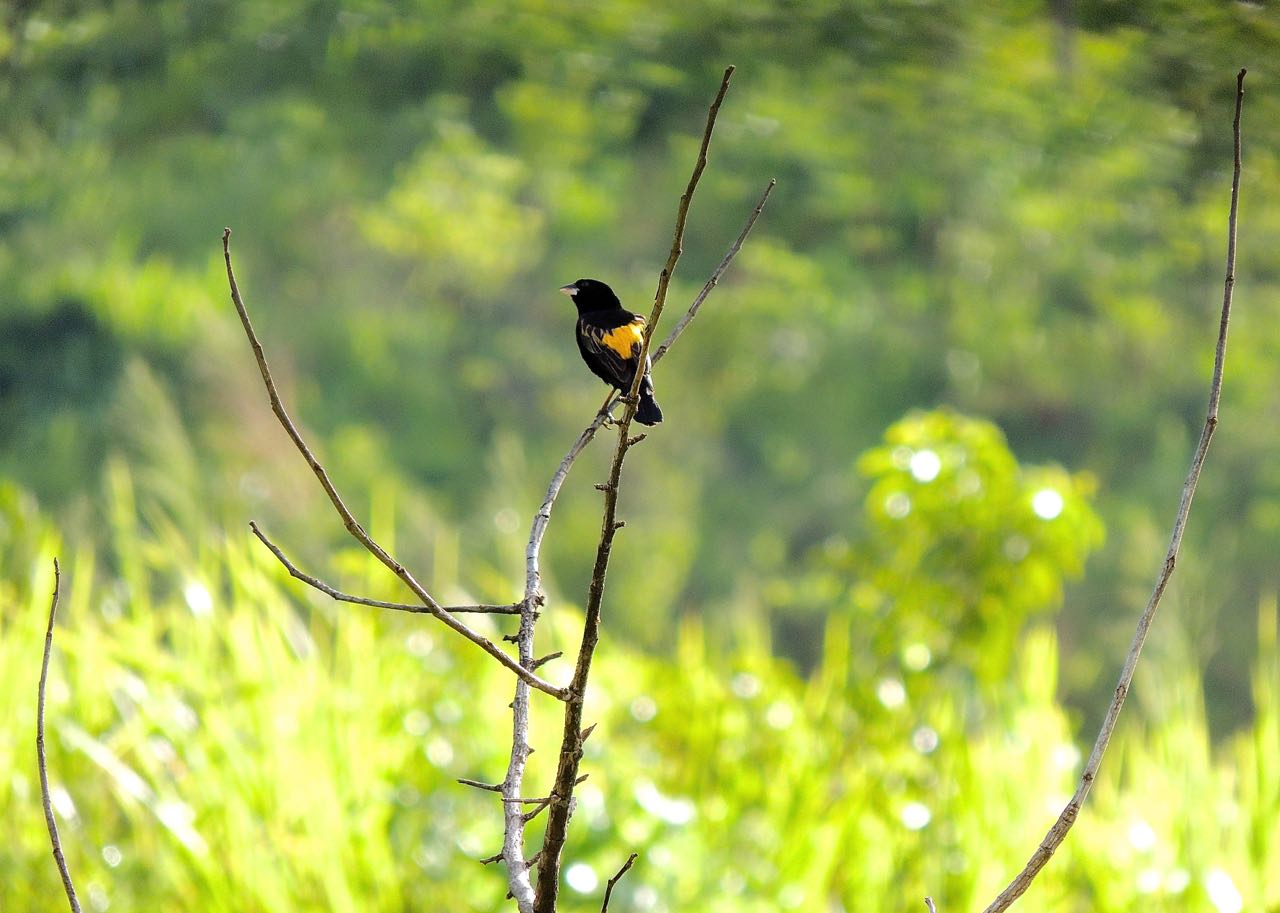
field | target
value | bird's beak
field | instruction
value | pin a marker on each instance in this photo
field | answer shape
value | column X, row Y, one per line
column 569, row 290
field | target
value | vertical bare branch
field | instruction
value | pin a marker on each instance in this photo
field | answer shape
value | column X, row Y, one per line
column 348, row 520
column 40, row 756
column 515, row 819
column 1058, row 832
column 571, row 740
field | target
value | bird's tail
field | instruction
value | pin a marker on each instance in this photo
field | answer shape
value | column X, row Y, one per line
column 647, row 411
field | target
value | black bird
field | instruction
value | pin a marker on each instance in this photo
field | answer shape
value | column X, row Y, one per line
column 610, row 338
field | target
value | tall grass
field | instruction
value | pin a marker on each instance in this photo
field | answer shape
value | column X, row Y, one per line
column 220, row 741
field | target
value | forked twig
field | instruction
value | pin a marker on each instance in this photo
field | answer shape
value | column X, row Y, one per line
column 40, row 755
column 418, row 608
column 715, row 276
column 1058, row 832
column 348, row 520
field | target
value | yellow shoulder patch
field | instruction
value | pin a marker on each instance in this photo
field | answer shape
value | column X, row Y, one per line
column 627, row 339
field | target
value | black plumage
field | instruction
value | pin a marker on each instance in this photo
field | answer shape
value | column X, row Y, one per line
column 610, row 339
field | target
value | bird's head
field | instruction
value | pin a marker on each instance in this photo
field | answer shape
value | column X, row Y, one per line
column 591, row 295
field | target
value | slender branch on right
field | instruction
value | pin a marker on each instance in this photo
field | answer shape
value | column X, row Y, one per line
column 1058, row 832
column 40, row 756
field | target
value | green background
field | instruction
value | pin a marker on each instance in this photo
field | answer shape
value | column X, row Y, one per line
column 836, row 675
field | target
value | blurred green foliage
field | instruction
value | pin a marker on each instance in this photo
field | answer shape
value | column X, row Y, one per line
column 222, row 739
column 1013, row 211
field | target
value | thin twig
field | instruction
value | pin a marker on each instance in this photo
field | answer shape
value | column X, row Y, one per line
column 543, row 660
column 1058, row 832
column 928, row 902
column 715, row 277
column 40, row 756
column 418, row 608
column 348, row 520
column 682, row 216
column 608, row 888
column 536, row 810
column 571, row 740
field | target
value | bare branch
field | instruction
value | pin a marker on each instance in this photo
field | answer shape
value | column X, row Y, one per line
column 928, row 902
column 571, row 740
column 715, row 276
column 518, row 880
column 1058, row 832
column 608, row 888
column 40, row 755
column 348, row 520
column 417, row 608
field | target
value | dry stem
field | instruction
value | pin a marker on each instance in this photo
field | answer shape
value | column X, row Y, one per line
column 1058, row 832
column 40, row 756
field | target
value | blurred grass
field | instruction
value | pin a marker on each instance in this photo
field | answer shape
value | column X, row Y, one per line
column 221, row 740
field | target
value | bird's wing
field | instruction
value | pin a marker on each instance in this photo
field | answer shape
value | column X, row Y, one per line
column 615, row 349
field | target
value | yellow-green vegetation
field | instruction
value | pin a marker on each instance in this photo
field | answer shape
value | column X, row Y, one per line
column 224, row 740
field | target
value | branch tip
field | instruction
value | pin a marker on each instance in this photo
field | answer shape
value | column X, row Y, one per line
column 608, row 888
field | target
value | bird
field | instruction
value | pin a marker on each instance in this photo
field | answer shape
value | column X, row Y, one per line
column 610, row 339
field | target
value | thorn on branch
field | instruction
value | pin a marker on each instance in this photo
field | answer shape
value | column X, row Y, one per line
column 489, row 860
column 536, row 810
column 632, row 441
column 618, row 524
column 586, row 733
column 476, row 784
column 604, row 486
column 541, row 661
